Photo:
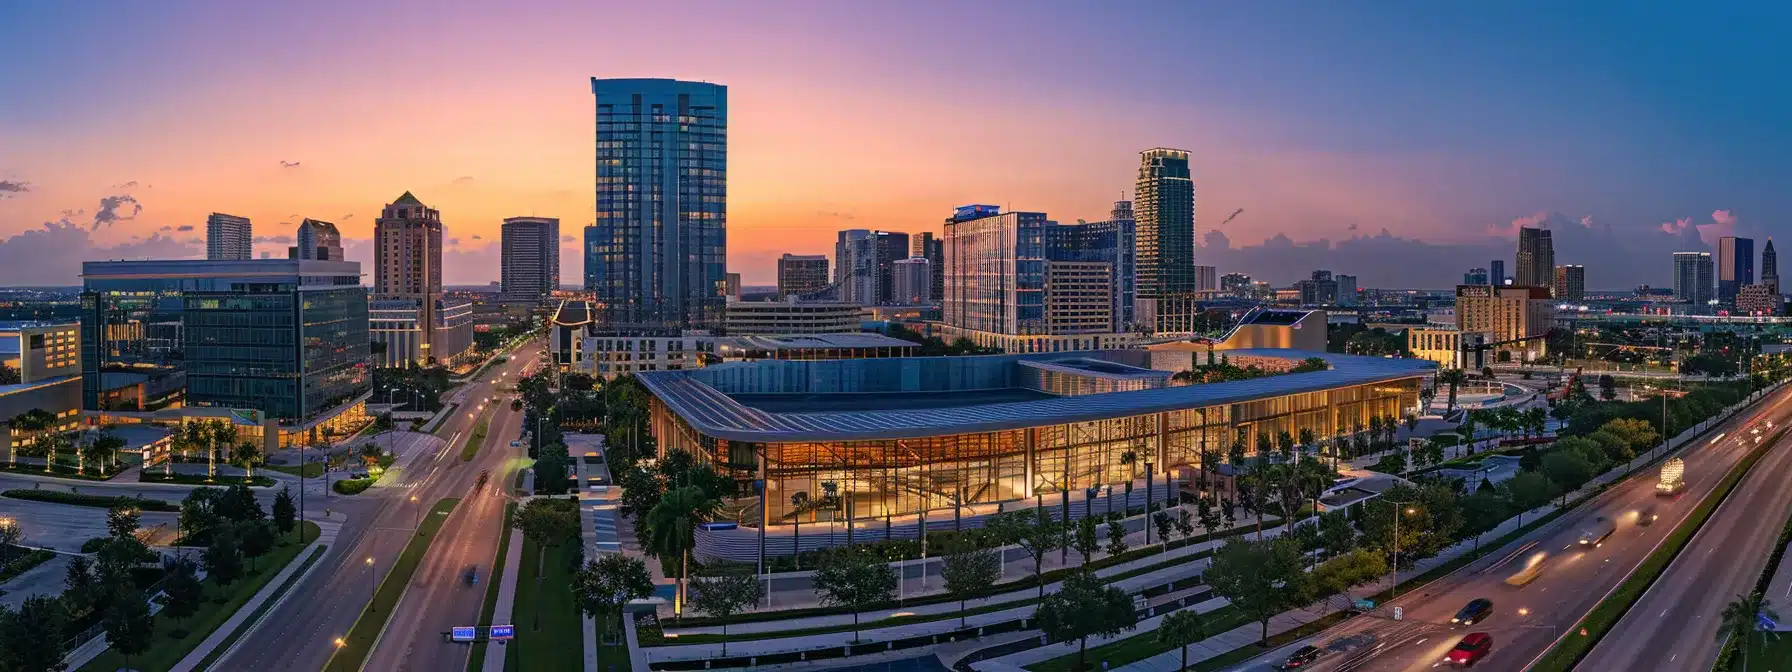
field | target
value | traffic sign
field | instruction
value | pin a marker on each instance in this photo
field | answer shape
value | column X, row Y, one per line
column 1763, row 622
column 503, row 632
column 463, row 633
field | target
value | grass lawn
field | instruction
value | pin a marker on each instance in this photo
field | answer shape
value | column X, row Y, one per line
column 548, row 625
column 1773, row 652
column 1606, row 614
column 65, row 470
column 242, row 628
column 353, row 653
column 202, row 479
column 475, row 440
column 310, row 470
column 96, row 501
column 164, row 650
column 476, row 660
column 1140, row 644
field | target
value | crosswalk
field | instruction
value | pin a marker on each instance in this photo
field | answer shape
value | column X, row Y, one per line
column 603, row 529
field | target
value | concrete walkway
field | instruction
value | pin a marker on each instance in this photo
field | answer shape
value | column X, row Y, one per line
column 501, row 613
column 327, row 531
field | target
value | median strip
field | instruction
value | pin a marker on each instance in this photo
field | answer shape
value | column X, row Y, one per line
column 1581, row 639
column 473, row 442
column 352, row 649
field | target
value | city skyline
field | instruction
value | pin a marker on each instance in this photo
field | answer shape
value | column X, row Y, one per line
column 812, row 158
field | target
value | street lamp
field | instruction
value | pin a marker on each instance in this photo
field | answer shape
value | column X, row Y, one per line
column 339, row 643
column 419, row 515
column 1395, row 590
column 373, row 585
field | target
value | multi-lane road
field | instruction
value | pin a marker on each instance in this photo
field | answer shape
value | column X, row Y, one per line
column 1527, row 620
column 322, row 607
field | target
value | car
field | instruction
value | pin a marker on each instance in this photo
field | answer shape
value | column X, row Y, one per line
column 1532, row 568
column 471, row 577
column 1647, row 516
column 1470, row 650
column 516, row 444
column 1301, row 658
column 1474, row 612
column 482, row 476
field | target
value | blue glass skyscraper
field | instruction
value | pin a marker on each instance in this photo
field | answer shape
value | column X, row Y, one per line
column 656, row 256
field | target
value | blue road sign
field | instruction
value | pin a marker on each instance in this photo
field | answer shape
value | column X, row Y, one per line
column 463, row 633
column 1762, row 622
column 503, row 632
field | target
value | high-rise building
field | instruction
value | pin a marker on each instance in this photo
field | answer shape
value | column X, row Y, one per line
column 1207, row 278
column 1735, row 267
column 1496, row 273
column 1516, row 317
column 407, row 252
column 1759, row 299
column 1692, row 278
column 1165, row 209
column 1079, row 297
column 800, row 274
column 409, row 313
column 1110, row 242
column 864, row 261
column 1770, row 267
column 656, row 258
column 1571, row 282
column 530, row 266
column 911, row 281
column 1475, row 276
column 1346, row 290
column 318, row 241
column 930, row 247
column 731, row 286
column 995, row 271
column 1235, row 283
column 1536, row 258
column 228, row 237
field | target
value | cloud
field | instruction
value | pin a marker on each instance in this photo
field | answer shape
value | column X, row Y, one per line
column 10, row 187
column 567, row 239
column 194, row 241
column 454, row 242
column 289, row 164
column 347, row 216
column 462, row 181
column 166, row 229
column 1723, row 223
column 836, row 215
column 184, row 227
column 52, row 253
column 477, row 237
column 273, row 240
column 108, row 212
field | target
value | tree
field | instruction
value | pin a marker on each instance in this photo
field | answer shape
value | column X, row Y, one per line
column 1638, row 434
column 1082, row 608
column 1567, row 468
column 1336, row 534
column 237, row 504
column 9, row 375
column 1336, row 576
column 1453, row 379
column 257, row 538
column 1165, row 524
column 80, row 588
column 181, row 584
column 1085, row 542
column 969, row 569
column 1260, row 578
column 1741, row 619
column 1529, row 490
column 35, row 422
column 725, row 596
column 672, row 525
column 605, row 585
column 223, row 558
column 1608, row 387
column 853, row 578
column 285, row 514
column 123, row 521
column 1485, row 509
column 1034, row 533
column 32, row 639
column 1180, row 629
column 246, row 455
column 199, row 515
column 128, row 624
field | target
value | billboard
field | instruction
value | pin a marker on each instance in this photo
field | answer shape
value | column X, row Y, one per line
column 975, row 211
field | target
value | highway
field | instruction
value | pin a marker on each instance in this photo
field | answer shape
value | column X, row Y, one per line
column 1675, row 624
column 1526, row 621
column 323, row 606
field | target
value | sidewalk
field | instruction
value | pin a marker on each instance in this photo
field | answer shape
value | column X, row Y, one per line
column 513, row 556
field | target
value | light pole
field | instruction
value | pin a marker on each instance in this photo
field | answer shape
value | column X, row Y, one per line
column 419, row 516
column 372, row 585
column 1395, row 567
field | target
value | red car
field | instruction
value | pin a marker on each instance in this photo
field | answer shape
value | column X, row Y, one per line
column 1472, row 648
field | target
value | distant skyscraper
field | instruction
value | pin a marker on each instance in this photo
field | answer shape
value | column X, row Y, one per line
column 316, row 240
column 1735, row 266
column 1571, row 282
column 863, row 263
column 1207, row 278
column 1496, row 273
column 530, row 267
column 930, row 247
column 1475, row 276
column 407, row 252
column 657, row 255
column 409, row 314
column 911, row 281
column 1110, row 242
column 1235, row 283
column 1692, row 278
column 800, row 274
column 228, row 237
column 1770, row 267
column 1536, row 258
column 1165, row 215
column 1346, row 290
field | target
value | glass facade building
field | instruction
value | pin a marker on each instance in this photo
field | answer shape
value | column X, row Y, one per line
column 995, row 271
column 284, row 340
column 1166, row 224
column 657, row 255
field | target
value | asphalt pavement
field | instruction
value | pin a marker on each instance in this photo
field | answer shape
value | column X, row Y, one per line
column 1527, row 620
column 300, row 636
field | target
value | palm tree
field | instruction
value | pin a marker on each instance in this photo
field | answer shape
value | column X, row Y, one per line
column 1453, row 378
column 35, row 421
column 191, row 435
column 246, row 455
column 672, row 525
column 53, row 444
column 1375, row 427
column 1741, row 619
column 217, row 430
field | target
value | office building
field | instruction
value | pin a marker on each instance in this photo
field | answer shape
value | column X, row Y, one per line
column 930, row 247
column 1475, row 276
column 1759, row 299
column 912, row 281
column 1515, row 319
column 1496, row 274
column 1346, row 292
column 1320, row 289
column 1237, row 284
column 1110, row 242
column 731, row 286
column 1447, row 346
column 1165, row 224
column 47, row 357
column 415, row 333
column 1207, row 278
column 656, row 257
column 995, row 271
column 417, row 324
column 530, row 267
column 1079, row 298
column 1770, row 267
column 228, row 237
column 1571, row 282
column 277, row 346
column 1735, row 267
column 800, row 274
column 909, row 439
column 316, row 240
column 864, row 261
column 791, row 316
column 1693, row 279
column 1536, row 258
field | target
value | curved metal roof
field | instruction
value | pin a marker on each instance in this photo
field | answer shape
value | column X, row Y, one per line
column 714, row 413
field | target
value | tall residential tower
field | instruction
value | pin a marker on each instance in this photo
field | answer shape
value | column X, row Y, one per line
column 1536, row 259
column 228, row 237
column 1164, row 208
column 530, row 266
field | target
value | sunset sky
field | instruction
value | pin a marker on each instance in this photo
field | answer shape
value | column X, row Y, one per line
column 1350, row 133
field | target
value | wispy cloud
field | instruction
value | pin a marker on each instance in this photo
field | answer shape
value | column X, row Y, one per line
column 10, row 187
column 289, row 164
